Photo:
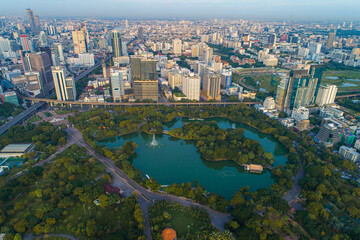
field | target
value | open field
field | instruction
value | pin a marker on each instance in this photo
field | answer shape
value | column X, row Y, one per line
column 345, row 80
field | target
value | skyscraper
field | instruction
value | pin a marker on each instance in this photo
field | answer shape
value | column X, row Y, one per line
column 116, row 43
column 58, row 50
column 191, row 87
column 30, row 15
column 226, row 79
column 326, row 94
column 330, row 40
column 141, row 33
column 211, row 86
column 117, row 85
column 64, row 86
column 176, row 46
column 301, row 89
column 79, row 40
column 37, row 24
column 41, row 62
column 272, row 39
column 145, row 78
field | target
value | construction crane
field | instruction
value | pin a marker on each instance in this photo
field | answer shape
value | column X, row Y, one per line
column 346, row 125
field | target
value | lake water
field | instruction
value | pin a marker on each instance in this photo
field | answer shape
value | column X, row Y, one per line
column 347, row 85
column 177, row 161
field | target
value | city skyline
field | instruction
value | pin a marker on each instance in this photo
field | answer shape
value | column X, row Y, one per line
column 279, row 9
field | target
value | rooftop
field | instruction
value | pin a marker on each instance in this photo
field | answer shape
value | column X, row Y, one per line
column 21, row 147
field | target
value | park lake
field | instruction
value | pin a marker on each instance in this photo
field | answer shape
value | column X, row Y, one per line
column 170, row 160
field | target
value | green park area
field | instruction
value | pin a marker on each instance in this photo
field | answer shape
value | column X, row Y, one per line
column 266, row 82
column 188, row 222
column 48, row 114
column 34, row 119
column 344, row 79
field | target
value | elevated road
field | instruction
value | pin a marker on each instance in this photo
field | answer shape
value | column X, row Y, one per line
column 38, row 104
column 20, row 117
column 54, row 101
column 348, row 95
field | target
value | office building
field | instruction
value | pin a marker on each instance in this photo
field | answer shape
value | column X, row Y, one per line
column 29, row 84
column 226, row 79
column 211, row 87
column 328, row 136
column 349, row 153
column 26, row 43
column 116, row 43
column 145, row 78
column 191, row 87
column 315, row 48
column 64, row 86
column 117, row 85
column 58, row 51
column 176, row 45
column 41, row 62
column 31, row 19
column 301, row 89
column 37, row 24
column 141, row 34
column 330, row 40
column 9, row 75
column 80, row 39
column 272, row 40
column 326, row 94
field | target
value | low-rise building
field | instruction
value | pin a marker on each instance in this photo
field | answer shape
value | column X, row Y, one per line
column 16, row 150
column 349, row 153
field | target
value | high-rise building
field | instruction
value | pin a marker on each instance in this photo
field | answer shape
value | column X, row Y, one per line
column 29, row 84
column 349, row 153
column 272, row 39
column 80, row 39
column 191, row 87
column 326, row 94
column 141, row 33
column 226, row 79
column 145, row 78
column 211, row 86
column 116, row 43
column 117, row 85
column 330, row 40
column 11, row 97
column 301, row 89
column 26, row 43
column 195, row 51
column 30, row 15
column 175, row 78
column 58, row 50
column 37, row 24
column 41, row 62
column 43, row 39
column 126, row 24
column 176, row 45
column 315, row 48
column 64, row 86
column 48, row 51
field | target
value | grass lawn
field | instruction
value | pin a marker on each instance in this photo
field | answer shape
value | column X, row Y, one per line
column 34, row 119
column 47, row 114
column 181, row 220
column 339, row 77
column 62, row 112
column 263, row 79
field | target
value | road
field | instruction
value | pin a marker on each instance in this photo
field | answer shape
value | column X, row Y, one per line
column 26, row 113
column 291, row 196
column 145, row 196
column 31, row 236
column 20, row 117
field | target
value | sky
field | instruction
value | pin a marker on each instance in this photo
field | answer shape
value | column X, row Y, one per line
column 344, row 10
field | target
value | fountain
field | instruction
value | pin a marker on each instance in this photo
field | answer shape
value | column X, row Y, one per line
column 154, row 143
column 233, row 126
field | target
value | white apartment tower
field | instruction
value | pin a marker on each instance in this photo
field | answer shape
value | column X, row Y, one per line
column 191, row 87
column 326, row 94
column 177, row 46
column 64, row 86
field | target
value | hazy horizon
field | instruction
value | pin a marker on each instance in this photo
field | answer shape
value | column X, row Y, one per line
column 331, row 10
